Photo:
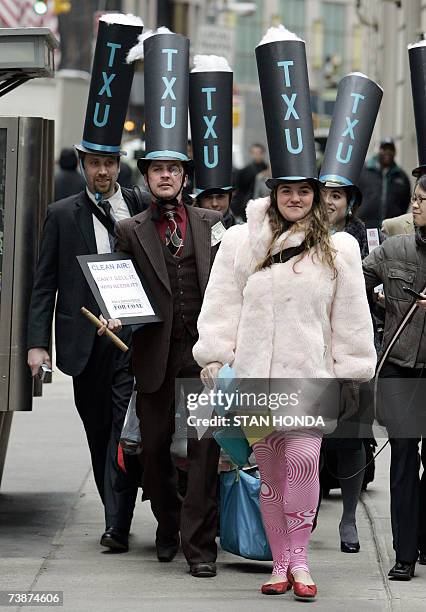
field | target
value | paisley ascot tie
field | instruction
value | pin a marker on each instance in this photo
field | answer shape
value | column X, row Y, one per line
column 174, row 241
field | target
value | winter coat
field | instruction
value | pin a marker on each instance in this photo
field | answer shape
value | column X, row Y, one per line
column 384, row 194
column 245, row 181
column 290, row 320
column 228, row 219
column 356, row 228
column 401, row 262
column 68, row 183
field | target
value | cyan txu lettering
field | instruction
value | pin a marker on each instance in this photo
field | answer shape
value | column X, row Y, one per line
column 291, row 111
column 169, row 88
column 349, row 127
column 290, row 148
column 172, row 122
column 357, row 97
column 207, row 162
column 113, row 47
column 104, row 121
column 208, row 91
column 106, row 86
column 347, row 158
column 170, row 53
column 285, row 64
column 210, row 121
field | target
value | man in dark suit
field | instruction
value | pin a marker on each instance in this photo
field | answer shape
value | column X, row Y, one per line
column 77, row 225
column 173, row 247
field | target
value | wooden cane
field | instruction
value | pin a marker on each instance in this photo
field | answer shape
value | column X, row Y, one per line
column 115, row 339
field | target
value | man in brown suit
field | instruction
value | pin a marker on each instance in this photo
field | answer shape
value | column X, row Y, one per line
column 172, row 245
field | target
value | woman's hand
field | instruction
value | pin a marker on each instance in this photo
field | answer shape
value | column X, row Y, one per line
column 113, row 325
column 421, row 304
column 209, row 374
column 381, row 300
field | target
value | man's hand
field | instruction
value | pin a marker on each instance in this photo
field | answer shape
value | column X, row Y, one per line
column 36, row 357
column 209, row 374
column 113, row 325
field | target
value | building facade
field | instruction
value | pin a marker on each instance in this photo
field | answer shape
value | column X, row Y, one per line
column 390, row 27
column 341, row 36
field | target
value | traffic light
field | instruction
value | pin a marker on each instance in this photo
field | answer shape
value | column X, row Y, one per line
column 61, row 6
column 40, row 7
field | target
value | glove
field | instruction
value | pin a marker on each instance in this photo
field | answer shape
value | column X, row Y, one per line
column 349, row 399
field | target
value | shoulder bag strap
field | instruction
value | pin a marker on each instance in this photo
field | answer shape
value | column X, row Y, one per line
column 287, row 254
column 107, row 223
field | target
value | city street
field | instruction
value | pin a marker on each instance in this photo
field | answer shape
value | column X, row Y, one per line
column 51, row 521
column 239, row 188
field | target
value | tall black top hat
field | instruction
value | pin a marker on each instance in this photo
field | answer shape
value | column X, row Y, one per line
column 357, row 104
column 110, row 84
column 166, row 98
column 210, row 110
column 284, row 86
column 417, row 57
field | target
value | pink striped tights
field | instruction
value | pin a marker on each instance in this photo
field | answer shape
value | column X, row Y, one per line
column 288, row 465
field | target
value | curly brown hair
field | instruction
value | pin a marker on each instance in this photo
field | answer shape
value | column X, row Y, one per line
column 317, row 232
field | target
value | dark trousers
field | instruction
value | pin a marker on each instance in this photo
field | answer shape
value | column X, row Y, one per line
column 408, row 496
column 407, row 491
column 198, row 516
column 101, row 394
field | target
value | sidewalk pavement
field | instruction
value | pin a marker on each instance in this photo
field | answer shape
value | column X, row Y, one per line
column 51, row 520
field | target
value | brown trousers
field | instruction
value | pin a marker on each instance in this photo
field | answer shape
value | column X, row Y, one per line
column 197, row 519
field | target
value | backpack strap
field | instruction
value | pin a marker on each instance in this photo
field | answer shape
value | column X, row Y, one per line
column 135, row 194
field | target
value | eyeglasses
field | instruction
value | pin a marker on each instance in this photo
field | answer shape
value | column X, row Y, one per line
column 418, row 199
column 173, row 169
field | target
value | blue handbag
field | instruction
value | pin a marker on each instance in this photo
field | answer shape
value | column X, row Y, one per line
column 232, row 438
column 241, row 527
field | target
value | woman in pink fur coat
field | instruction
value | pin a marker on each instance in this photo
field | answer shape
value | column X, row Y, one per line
column 271, row 316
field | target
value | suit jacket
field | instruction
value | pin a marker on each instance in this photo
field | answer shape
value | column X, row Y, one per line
column 68, row 232
column 398, row 225
column 138, row 237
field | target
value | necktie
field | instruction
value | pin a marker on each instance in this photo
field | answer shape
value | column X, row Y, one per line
column 174, row 240
column 106, row 207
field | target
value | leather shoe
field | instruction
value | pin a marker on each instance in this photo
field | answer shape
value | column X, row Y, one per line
column 301, row 591
column 349, row 547
column 115, row 539
column 402, row 571
column 276, row 588
column 202, row 570
column 422, row 558
column 167, row 551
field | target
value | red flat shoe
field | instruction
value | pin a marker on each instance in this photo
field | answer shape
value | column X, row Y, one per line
column 276, row 588
column 302, row 592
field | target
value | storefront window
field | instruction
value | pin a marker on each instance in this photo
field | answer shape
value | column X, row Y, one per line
column 292, row 15
column 334, row 18
column 249, row 31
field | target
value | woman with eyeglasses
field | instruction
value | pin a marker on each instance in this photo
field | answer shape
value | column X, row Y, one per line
column 400, row 264
column 276, row 308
